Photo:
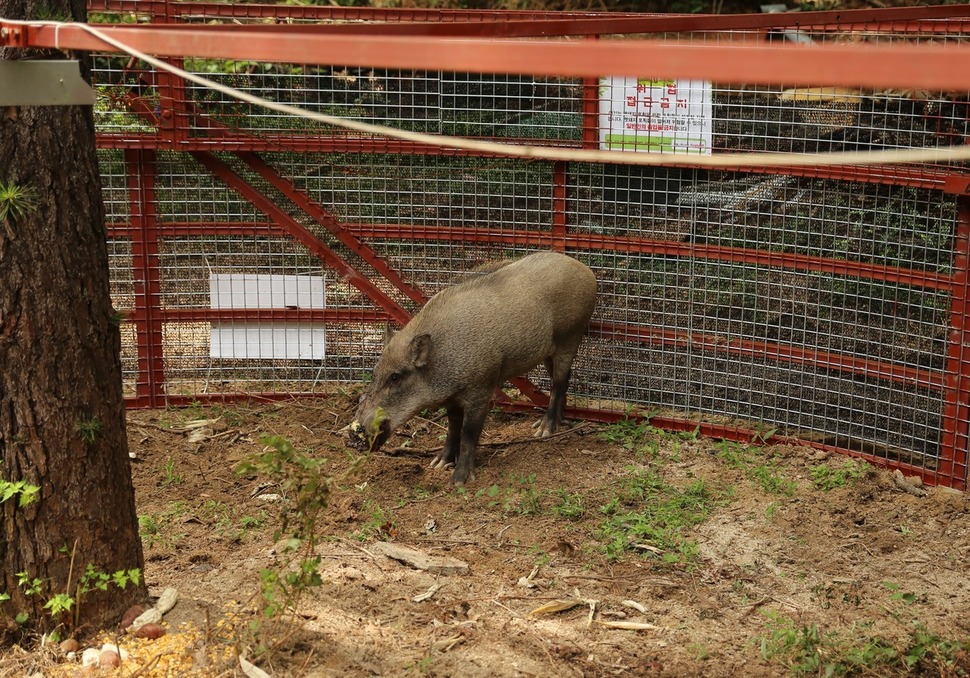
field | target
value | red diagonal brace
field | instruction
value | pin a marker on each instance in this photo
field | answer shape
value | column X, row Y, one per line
column 307, row 239
column 328, row 221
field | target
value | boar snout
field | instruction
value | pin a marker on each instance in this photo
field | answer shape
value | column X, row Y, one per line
column 368, row 434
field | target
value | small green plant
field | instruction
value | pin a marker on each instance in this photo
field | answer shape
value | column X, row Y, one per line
column 763, row 433
column 306, row 491
column 26, row 493
column 631, row 432
column 253, row 522
column 652, row 516
column 16, row 201
column 758, row 467
column 60, row 605
column 31, row 586
column 89, row 428
column 570, row 506
column 156, row 529
column 826, row 477
column 899, row 595
column 807, row 650
column 379, row 523
column 169, row 475
column 526, row 501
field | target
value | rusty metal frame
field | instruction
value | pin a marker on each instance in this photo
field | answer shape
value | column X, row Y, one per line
column 147, row 315
column 925, row 66
column 428, row 38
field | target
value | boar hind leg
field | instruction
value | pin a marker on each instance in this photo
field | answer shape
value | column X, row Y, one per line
column 559, row 368
column 449, row 455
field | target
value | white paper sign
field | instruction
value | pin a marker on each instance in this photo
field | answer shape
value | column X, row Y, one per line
column 656, row 116
column 263, row 340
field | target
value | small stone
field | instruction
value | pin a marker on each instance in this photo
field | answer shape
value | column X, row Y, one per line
column 130, row 615
column 109, row 659
column 69, row 645
column 91, row 657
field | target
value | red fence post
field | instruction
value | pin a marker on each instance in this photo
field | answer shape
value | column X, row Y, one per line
column 147, row 316
column 956, row 414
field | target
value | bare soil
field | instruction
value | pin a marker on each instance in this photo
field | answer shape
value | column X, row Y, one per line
column 861, row 561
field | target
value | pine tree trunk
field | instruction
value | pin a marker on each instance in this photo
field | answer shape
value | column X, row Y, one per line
column 62, row 418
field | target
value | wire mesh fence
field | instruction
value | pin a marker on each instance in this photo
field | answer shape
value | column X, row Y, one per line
column 815, row 303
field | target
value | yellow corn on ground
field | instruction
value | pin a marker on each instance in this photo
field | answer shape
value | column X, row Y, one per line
column 182, row 651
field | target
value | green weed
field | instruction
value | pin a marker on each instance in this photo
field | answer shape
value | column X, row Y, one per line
column 169, row 474
column 16, row 201
column 26, row 493
column 826, row 477
column 652, row 516
column 378, row 525
column 631, row 433
column 89, row 428
column 808, row 650
column 761, row 469
column 570, row 506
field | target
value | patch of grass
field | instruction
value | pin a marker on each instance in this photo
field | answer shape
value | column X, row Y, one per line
column 218, row 514
column 527, row 501
column 254, row 522
column 808, row 650
column 379, row 524
column 826, row 477
column 170, row 476
column 761, row 469
column 158, row 529
column 570, row 506
column 631, row 433
column 521, row 499
column 154, row 531
column 651, row 516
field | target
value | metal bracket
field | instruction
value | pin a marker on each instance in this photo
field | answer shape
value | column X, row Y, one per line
column 43, row 83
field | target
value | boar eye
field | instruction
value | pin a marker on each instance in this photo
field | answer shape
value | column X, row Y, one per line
column 395, row 377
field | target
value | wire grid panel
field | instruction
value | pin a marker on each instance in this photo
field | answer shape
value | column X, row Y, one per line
column 713, row 320
column 499, row 106
column 691, row 319
column 444, row 191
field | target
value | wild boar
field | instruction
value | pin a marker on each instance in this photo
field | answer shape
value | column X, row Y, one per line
column 468, row 340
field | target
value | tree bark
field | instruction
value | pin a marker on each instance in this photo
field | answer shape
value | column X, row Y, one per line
column 62, row 417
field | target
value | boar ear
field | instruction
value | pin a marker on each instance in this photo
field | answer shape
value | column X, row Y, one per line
column 388, row 333
column 420, row 350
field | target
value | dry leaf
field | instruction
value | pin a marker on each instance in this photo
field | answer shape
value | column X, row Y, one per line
column 421, row 597
column 251, row 670
column 629, row 626
column 558, row 606
column 445, row 644
column 633, row 604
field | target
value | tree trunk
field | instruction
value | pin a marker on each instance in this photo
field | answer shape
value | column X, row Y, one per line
column 62, row 417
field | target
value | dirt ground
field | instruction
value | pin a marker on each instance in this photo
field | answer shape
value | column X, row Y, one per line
column 770, row 563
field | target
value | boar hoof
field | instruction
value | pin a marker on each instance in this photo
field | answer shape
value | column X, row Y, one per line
column 441, row 462
column 461, row 482
column 543, row 429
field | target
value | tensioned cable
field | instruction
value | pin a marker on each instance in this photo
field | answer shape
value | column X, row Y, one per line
column 896, row 156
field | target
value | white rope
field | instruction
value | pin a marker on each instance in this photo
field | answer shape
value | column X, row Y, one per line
column 899, row 156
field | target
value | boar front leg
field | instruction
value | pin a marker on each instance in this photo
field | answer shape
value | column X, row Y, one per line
column 471, row 430
column 449, row 455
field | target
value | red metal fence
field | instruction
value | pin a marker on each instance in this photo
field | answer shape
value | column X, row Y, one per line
column 822, row 302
